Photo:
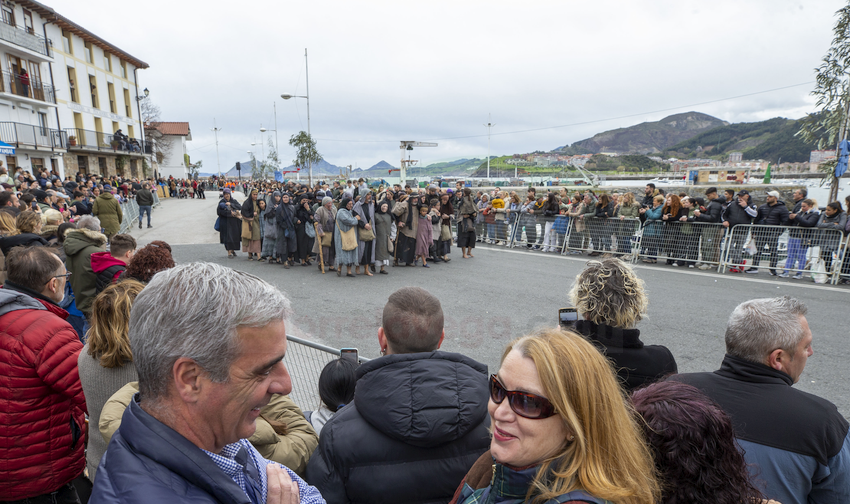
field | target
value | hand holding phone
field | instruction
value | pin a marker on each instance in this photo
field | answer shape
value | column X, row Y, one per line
column 349, row 354
column 567, row 317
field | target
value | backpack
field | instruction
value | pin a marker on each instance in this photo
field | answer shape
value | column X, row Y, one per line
column 104, row 278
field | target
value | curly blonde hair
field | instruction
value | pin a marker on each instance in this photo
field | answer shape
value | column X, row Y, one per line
column 608, row 292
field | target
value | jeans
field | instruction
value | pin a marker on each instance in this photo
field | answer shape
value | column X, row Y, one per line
column 796, row 254
column 67, row 494
column 142, row 210
column 491, row 231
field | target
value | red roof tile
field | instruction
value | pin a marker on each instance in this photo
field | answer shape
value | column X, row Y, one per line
column 170, row 128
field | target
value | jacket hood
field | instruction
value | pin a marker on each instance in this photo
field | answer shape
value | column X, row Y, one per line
column 12, row 300
column 423, row 399
column 78, row 239
column 102, row 260
column 106, row 195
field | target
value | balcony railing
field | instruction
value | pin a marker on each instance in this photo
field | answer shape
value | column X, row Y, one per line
column 24, row 38
column 28, row 87
column 95, row 140
column 29, row 135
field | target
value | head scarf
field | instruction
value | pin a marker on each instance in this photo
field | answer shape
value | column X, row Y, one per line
column 344, row 203
column 326, row 200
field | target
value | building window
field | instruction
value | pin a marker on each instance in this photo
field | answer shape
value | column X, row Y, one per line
column 123, row 69
column 89, row 53
column 11, row 163
column 130, row 131
column 102, row 162
column 28, row 25
column 110, row 88
column 107, row 62
column 66, row 42
column 83, row 164
column 134, row 168
column 72, row 84
column 42, row 123
column 8, row 14
column 93, row 86
column 127, row 108
column 37, row 165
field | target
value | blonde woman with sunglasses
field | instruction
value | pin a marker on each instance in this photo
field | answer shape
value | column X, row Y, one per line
column 561, row 430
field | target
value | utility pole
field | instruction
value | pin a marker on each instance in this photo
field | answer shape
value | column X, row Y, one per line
column 216, row 129
column 488, row 125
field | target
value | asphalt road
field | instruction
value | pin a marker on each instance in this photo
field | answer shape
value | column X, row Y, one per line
column 502, row 294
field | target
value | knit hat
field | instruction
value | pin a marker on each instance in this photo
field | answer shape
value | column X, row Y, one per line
column 326, row 200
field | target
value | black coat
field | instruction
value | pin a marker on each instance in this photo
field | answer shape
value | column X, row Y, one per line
column 7, row 243
column 637, row 364
column 229, row 228
column 417, row 424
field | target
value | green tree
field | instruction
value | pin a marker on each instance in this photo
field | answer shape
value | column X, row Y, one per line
column 832, row 93
column 195, row 168
column 306, row 154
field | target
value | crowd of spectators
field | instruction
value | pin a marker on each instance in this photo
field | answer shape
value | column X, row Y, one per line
column 350, row 224
column 181, row 374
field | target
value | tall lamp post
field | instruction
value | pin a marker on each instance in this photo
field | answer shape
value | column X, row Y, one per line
column 307, row 97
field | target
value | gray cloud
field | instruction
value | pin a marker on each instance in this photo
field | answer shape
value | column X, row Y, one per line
column 385, row 71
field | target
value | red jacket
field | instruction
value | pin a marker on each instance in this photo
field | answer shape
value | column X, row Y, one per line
column 42, row 406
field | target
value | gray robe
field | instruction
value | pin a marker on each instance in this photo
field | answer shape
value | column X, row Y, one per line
column 363, row 211
column 344, row 221
column 383, row 231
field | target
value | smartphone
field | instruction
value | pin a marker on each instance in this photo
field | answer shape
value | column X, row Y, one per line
column 34, row 205
column 350, row 354
column 567, row 317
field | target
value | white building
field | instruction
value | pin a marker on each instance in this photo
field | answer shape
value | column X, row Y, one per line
column 97, row 94
column 28, row 117
column 168, row 140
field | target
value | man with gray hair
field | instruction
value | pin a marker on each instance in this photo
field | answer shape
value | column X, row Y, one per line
column 796, row 444
column 208, row 344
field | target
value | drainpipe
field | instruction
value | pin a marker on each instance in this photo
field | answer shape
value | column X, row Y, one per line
column 53, row 84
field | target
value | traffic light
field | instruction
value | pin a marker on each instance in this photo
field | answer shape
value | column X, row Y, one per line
column 238, row 166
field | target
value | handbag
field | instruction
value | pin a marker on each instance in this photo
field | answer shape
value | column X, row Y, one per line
column 445, row 232
column 310, row 230
column 218, row 224
column 246, row 229
column 365, row 234
column 327, row 238
column 348, row 238
column 390, row 245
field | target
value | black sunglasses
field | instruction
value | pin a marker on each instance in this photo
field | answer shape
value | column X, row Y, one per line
column 523, row 404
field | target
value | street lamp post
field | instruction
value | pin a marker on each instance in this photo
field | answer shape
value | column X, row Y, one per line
column 307, row 97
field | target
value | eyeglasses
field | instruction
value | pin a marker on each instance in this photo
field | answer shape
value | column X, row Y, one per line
column 523, row 404
column 67, row 275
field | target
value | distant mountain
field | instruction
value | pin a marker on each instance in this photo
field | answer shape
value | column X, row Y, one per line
column 382, row 166
column 771, row 140
column 648, row 137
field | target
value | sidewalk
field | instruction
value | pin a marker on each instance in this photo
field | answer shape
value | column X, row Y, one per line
column 182, row 221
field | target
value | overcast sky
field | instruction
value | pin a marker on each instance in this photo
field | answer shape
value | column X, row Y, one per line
column 385, row 71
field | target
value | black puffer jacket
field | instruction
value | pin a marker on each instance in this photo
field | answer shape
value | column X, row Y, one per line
column 773, row 215
column 418, row 423
column 637, row 364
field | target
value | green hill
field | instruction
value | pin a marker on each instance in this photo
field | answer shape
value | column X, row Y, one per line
column 769, row 140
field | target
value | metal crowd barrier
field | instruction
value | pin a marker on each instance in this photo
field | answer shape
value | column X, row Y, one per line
column 843, row 273
column 305, row 361
column 785, row 249
column 130, row 210
column 594, row 234
column 683, row 243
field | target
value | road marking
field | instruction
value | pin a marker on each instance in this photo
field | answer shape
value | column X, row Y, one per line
column 680, row 271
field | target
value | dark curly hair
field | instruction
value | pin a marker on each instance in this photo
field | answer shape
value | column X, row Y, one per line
column 694, row 448
column 149, row 260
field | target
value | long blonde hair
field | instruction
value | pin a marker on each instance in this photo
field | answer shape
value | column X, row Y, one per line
column 609, row 457
column 108, row 338
column 8, row 226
